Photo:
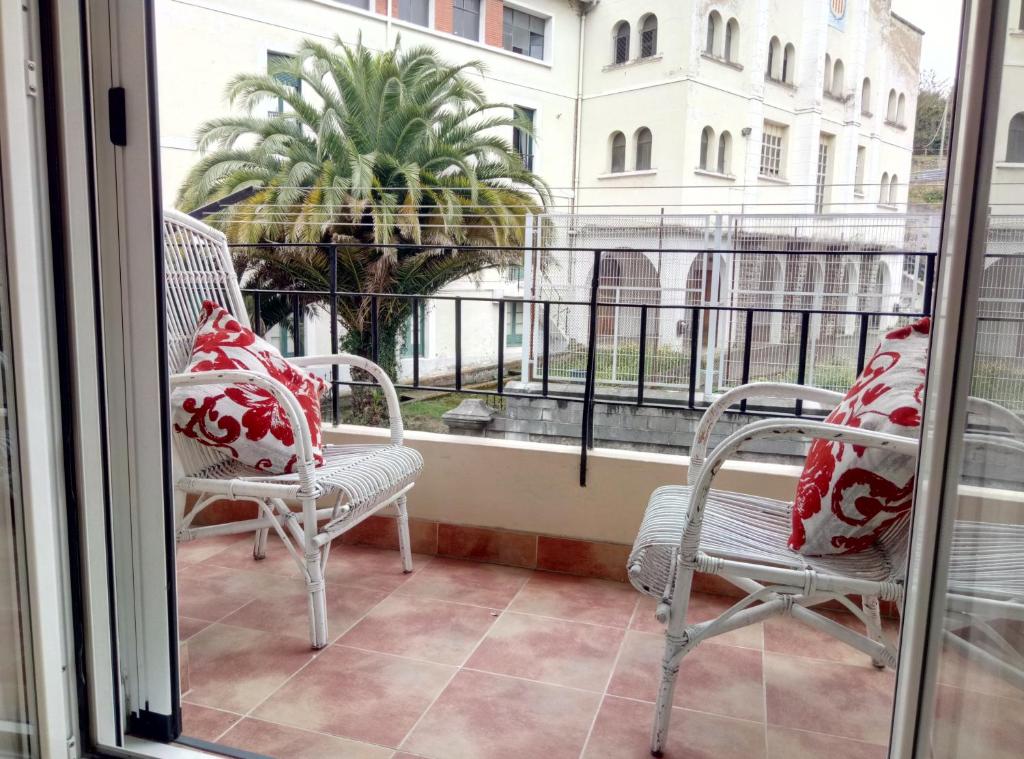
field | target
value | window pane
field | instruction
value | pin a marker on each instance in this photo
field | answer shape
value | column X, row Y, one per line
column 523, row 33
column 466, row 21
column 415, row 11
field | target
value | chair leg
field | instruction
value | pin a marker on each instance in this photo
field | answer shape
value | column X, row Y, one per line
column 259, row 545
column 675, row 650
column 317, row 600
column 404, row 545
column 874, row 624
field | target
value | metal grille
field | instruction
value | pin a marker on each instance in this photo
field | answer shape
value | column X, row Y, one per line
column 622, row 43
column 695, row 301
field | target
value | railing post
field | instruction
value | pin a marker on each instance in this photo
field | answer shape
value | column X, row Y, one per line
column 929, row 283
column 801, row 369
column 257, row 322
column 501, row 346
column 589, row 385
column 374, row 331
column 332, row 254
column 547, row 348
column 642, row 358
column 296, row 325
column 862, row 343
column 748, row 343
column 415, row 342
column 694, row 355
column 458, row 344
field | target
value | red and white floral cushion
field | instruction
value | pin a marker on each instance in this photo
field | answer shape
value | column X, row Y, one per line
column 849, row 495
column 244, row 420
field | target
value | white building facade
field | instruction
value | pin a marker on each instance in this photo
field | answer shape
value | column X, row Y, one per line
column 740, row 108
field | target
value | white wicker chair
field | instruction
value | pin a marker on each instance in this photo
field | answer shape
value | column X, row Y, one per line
column 355, row 480
column 743, row 538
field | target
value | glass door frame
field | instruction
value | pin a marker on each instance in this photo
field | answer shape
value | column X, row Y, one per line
column 965, row 222
column 130, row 641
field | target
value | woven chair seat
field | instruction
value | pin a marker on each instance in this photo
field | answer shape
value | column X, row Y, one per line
column 987, row 560
column 364, row 474
column 739, row 527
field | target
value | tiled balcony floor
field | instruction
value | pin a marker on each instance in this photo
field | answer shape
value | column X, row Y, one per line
column 461, row 660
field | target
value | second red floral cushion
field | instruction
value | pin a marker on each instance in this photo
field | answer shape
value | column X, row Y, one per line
column 245, row 421
column 850, row 495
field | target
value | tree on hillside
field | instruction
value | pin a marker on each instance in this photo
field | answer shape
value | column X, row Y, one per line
column 375, row 149
column 931, row 120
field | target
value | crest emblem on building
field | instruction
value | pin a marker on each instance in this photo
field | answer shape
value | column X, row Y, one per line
column 837, row 14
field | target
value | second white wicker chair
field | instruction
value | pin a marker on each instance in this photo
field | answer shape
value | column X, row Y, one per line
column 742, row 538
column 355, row 481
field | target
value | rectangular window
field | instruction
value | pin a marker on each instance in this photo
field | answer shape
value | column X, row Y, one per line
column 364, row 4
column 466, row 19
column 858, row 181
column 513, row 324
column 522, row 141
column 407, row 341
column 274, row 62
column 821, row 179
column 414, row 11
column 773, row 145
column 283, row 336
column 523, row 33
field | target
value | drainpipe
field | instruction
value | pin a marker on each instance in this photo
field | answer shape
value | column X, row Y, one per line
column 387, row 28
column 583, row 7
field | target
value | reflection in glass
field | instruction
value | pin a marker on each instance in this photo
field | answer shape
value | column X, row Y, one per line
column 16, row 706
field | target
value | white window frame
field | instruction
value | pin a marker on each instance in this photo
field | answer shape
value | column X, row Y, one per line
column 781, row 133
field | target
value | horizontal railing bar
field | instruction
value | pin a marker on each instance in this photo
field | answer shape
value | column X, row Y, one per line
column 552, row 248
column 661, row 306
column 769, row 411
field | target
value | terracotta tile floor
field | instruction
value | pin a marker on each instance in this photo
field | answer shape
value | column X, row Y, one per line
column 462, row 661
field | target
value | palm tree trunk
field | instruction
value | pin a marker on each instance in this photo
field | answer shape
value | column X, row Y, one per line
column 368, row 405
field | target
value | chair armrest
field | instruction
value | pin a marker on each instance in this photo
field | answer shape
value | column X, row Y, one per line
column 761, row 390
column 303, row 440
column 791, row 429
column 390, row 394
column 993, row 413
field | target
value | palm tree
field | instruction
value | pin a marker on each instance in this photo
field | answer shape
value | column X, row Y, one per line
column 390, row 158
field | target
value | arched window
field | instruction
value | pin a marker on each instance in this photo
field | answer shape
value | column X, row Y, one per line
column 732, row 40
column 827, row 83
column 618, row 152
column 714, row 22
column 707, row 139
column 890, row 111
column 724, row 153
column 774, row 69
column 649, row 36
column 621, row 52
column 789, row 64
column 1015, row 139
column 901, row 109
column 643, row 149
column 865, row 97
column 838, row 74
column 883, row 189
column 894, row 189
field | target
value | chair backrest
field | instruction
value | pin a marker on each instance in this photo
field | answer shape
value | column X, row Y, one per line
column 197, row 267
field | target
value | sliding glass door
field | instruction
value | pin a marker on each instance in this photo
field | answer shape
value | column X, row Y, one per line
column 961, row 690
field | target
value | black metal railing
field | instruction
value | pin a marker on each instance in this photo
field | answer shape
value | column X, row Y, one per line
column 589, row 397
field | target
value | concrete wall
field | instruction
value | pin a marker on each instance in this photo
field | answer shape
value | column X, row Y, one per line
column 534, row 487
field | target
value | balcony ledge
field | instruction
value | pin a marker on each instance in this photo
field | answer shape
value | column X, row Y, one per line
column 624, row 174
column 715, row 174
